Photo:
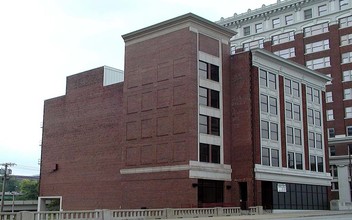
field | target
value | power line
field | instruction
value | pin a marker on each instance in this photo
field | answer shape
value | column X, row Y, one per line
column 4, row 183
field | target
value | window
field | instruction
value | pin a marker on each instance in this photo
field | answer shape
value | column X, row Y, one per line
column 343, row 4
column 334, row 186
column 275, row 157
column 310, row 116
column 320, row 164
column 288, row 88
column 298, row 139
column 330, row 114
column 273, row 131
column 295, row 89
column 348, row 112
column 347, row 93
column 289, row 110
column 291, row 160
column 310, row 94
column 329, row 82
column 307, row 14
column 286, row 53
column 208, row 71
column 270, row 156
column 209, row 153
column 317, row 46
column 296, row 112
column 318, row 141
column 332, row 150
column 267, row 79
column 311, row 140
column 208, row 97
column 299, row 163
column 345, row 22
column 346, row 57
column 265, row 129
column 258, row 27
column 273, row 106
column 313, row 163
column 316, row 96
column 328, row 96
column 346, row 39
column 289, row 19
column 265, row 156
column 322, row 10
column 318, row 63
column 349, row 130
column 247, row 31
column 331, row 132
column 316, row 29
column 209, row 125
column 283, row 38
column 253, row 44
column 264, row 103
column 347, row 75
column 276, row 22
column 317, row 118
column 289, row 135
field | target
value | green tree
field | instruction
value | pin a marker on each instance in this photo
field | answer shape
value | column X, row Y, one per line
column 29, row 189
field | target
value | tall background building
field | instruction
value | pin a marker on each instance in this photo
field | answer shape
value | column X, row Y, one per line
column 318, row 34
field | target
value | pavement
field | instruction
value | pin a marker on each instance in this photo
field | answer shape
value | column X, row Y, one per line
column 284, row 215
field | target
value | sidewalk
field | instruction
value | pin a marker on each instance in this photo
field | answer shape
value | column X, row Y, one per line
column 297, row 214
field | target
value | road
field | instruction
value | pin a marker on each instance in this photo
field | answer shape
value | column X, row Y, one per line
column 328, row 217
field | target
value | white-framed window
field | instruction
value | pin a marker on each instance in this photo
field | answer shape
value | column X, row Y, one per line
column 345, row 22
column 346, row 39
column 322, row 10
column 346, row 57
column 317, row 118
column 328, row 96
column 283, row 38
column 316, row 29
column 343, row 4
column 293, row 135
column 258, row 27
column 316, row 163
column 268, row 104
column 308, row 13
column 289, row 19
column 267, row 79
column 348, row 112
column 349, row 130
column 331, row 134
column 246, row 31
column 294, row 160
column 318, row 63
column 292, row 88
column 317, row 46
column 330, row 114
column 310, row 116
column 286, row 53
column 270, row 130
column 253, row 44
column 310, row 94
column 329, row 82
column 270, row 157
column 276, row 22
column 347, row 75
column 347, row 94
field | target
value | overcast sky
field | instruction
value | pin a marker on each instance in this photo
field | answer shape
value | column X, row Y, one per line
column 43, row 41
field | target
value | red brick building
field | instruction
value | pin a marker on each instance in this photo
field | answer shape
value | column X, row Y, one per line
column 190, row 125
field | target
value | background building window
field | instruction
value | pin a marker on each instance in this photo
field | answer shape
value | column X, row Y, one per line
column 331, row 132
column 247, row 31
column 322, row 10
column 276, row 22
column 317, row 46
column 308, row 14
column 328, row 96
column 286, row 53
column 347, row 75
column 283, row 38
column 348, row 112
column 330, row 114
column 346, row 39
column 346, row 57
column 258, row 27
column 343, row 4
column 289, row 19
column 316, row 29
column 253, row 44
column 347, row 93
column 332, row 151
column 318, row 63
column 349, row 130
column 345, row 22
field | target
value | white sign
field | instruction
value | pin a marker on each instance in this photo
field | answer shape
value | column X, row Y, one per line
column 281, row 187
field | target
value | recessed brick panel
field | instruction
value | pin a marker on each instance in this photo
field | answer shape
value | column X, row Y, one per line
column 163, row 126
column 147, row 127
column 133, row 79
column 180, row 151
column 179, row 95
column 181, row 67
column 148, row 101
column 148, row 75
column 163, row 98
column 180, row 123
column 133, row 104
column 164, row 153
column 164, row 71
column 148, row 154
column 132, row 156
column 131, row 130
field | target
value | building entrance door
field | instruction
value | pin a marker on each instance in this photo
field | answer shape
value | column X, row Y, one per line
column 243, row 195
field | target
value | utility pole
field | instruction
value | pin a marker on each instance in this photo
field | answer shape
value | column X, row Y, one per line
column 4, row 183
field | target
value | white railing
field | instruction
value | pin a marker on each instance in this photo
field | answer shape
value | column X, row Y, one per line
column 7, row 216
column 131, row 214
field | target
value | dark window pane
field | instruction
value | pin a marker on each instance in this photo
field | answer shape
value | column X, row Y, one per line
column 215, row 126
column 263, row 78
column 264, row 103
column 291, row 160
column 214, row 73
column 203, row 70
column 215, row 100
column 265, row 156
column 203, row 124
column 215, row 154
column 265, row 129
column 204, row 152
column 275, row 157
column 203, row 96
column 274, row 131
column 299, row 164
